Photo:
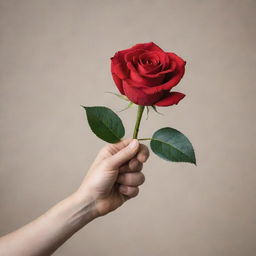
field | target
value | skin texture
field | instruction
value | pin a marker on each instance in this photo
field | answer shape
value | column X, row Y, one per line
column 113, row 178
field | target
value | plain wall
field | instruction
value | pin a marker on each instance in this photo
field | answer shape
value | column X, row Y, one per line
column 55, row 55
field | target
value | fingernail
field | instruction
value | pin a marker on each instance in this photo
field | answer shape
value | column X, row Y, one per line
column 133, row 144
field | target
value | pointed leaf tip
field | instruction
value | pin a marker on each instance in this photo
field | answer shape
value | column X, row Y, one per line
column 172, row 145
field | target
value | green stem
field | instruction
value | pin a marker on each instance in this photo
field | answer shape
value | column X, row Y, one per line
column 145, row 139
column 138, row 119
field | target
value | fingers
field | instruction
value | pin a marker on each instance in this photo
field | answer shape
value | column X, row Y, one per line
column 131, row 179
column 133, row 166
column 129, row 192
column 143, row 153
column 130, row 175
column 124, row 155
column 111, row 149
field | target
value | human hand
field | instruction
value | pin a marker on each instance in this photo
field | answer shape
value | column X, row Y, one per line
column 115, row 175
column 112, row 179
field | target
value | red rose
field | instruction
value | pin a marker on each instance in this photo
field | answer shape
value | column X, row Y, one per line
column 146, row 74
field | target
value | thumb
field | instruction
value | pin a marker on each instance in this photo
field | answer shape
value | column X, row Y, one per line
column 124, row 154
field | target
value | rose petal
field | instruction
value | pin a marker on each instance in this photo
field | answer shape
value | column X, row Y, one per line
column 152, row 57
column 141, row 81
column 118, row 67
column 146, row 70
column 131, row 55
column 172, row 98
column 137, row 95
column 160, row 73
column 118, row 82
column 172, row 78
column 145, row 74
column 164, row 60
column 148, row 46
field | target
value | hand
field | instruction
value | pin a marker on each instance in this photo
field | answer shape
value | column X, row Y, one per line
column 115, row 175
column 112, row 179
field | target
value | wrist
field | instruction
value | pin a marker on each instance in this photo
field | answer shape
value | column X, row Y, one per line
column 85, row 204
column 84, row 207
column 74, row 212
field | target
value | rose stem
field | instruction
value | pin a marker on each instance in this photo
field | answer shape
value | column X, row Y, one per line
column 138, row 119
column 145, row 139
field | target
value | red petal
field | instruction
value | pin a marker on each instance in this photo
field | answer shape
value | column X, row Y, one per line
column 130, row 55
column 161, row 73
column 118, row 66
column 140, row 81
column 175, row 76
column 148, row 46
column 137, row 95
column 172, row 98
column 118, row 82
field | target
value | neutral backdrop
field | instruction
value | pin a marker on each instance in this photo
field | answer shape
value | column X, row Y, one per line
column 55, row 55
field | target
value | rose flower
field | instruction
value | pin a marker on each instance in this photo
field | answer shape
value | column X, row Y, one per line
column 146, row 74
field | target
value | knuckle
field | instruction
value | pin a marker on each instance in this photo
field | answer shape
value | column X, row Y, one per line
column 106, row 163
column 121, row 178
column 136, row 191
column 123, row 169
column 131, row 179
column 137, row 179
column 146, row 153
column 139, row 167
column 135, row 165
column 133, row 191
column 143, row 156
column 123, row 189
column 142, row 178
column 105, row 148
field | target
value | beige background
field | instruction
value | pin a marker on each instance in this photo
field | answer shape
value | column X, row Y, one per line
column 54, row 56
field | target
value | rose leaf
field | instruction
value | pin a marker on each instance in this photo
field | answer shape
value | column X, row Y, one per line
column 105, row 123
column 172, row 145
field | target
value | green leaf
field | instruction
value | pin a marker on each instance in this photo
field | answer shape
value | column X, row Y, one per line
column 172, row 145
column 105, row 123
